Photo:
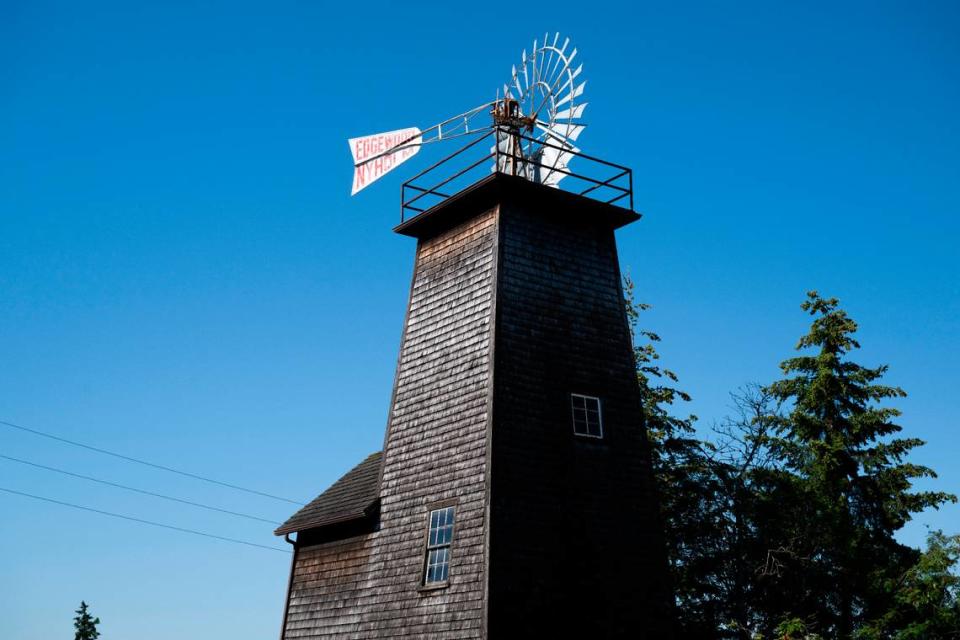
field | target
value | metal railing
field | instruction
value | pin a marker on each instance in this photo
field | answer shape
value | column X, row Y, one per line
column 604, row 181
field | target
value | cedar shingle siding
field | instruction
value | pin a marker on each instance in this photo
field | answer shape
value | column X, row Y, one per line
column 368, row 586
column 575, row 547
column 515, row 304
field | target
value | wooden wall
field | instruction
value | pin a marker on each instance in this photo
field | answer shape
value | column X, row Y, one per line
column 576, row 546
column 368, row 586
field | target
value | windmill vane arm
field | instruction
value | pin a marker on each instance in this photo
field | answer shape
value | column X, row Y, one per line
column 412, row 143
column 418, row 137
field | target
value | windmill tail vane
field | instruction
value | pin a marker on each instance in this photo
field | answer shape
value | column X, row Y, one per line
column 376, row 155
column 537, row 120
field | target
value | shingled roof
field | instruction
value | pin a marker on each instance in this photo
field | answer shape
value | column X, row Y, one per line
column 348, row 498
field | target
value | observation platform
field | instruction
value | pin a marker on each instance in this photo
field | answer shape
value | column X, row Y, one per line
column 469, row 180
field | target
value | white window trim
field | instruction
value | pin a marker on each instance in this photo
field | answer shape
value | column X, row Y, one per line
column 599, row 416
column 449, row 547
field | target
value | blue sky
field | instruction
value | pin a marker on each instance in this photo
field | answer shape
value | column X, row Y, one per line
column 185, row 278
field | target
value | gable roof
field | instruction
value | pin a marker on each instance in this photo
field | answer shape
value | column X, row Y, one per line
column 348, row 498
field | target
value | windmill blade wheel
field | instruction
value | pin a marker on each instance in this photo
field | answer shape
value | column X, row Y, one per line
column 540, row 117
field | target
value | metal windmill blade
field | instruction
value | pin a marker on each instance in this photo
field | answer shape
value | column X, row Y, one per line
column 548, row 92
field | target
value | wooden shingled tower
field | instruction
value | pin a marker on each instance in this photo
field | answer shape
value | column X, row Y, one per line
column 513, row 497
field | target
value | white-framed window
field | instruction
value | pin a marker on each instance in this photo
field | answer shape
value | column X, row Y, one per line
column 587, row 420
column 439, row 538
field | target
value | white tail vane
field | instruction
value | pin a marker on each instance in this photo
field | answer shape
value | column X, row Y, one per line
column 377, row 155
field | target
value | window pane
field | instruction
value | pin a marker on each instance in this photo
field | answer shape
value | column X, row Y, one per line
column 441, row 527
column 439, row 538
column 586, row 416
column 438, row 564
column 579, row 421
column 443, row 570
column 593, row 422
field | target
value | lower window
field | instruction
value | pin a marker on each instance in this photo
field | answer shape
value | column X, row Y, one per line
column 439, row 537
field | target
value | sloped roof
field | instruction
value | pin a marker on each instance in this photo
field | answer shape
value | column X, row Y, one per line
column 347, row 499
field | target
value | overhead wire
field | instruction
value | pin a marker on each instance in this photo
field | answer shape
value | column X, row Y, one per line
column 153, row 465
column 142, row 521
column 129, row 488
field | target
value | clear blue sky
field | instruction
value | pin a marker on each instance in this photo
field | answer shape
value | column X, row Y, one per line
column 184, row 277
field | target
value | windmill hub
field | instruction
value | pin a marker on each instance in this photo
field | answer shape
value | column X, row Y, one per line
column 506, row 113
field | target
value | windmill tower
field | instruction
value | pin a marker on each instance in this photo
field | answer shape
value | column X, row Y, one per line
column 513, row 496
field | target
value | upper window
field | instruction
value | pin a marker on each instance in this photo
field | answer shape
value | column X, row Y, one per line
column 586, row 416
column 438, row 546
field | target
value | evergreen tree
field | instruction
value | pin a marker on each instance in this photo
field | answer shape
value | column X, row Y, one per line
column 926, row 598
column 85, row 624
column 784, row 526
column 855, row 487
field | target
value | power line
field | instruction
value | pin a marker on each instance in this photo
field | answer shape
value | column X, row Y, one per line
column 155, row 524
column 145, row 463
column 143, row 491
